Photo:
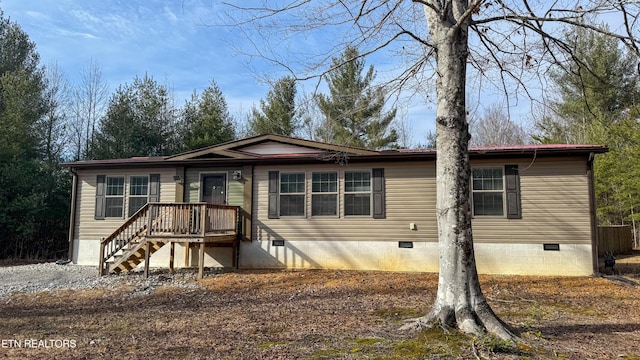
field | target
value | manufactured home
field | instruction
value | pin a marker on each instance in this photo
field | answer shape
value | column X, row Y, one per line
column 273, row 201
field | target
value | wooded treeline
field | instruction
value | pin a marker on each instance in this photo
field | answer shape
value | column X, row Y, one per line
column 45, row 120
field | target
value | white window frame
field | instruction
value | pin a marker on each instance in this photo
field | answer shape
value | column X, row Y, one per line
column 370, row 192
column 122, row 196
column 502, row 191
column 334, row 193
column 130, row 196
column 303, row 193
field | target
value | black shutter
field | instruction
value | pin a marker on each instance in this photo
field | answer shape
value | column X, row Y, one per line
column 512, row 187
column 154, row 188
column 378, row 194
column 101, row 202
column 274, row 184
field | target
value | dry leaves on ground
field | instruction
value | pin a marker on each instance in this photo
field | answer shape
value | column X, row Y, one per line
column 321, row 315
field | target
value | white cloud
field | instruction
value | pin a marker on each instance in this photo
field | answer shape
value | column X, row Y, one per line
column 85, row 17
column 63, row 32
column 37, row 15
column 170, row 15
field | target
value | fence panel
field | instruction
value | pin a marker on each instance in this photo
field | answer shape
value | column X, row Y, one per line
column 617, row 239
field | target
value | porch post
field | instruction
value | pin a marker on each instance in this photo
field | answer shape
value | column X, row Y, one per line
column 201, row 262
column 150, row 219
column 146, row 258
column 203, row 220
column 172, row 251
column 101, row 269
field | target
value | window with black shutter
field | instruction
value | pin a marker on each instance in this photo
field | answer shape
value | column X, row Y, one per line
column 495, row 191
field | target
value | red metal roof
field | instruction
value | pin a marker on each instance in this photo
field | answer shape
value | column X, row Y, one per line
column 385, row 155
column 516, row 148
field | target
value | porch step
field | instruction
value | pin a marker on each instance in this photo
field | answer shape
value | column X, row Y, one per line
column 131, row 258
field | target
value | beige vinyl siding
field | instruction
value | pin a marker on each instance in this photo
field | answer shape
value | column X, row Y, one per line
column 87, row 227
column 403, row 207
column 554, row 197
column 555, row 204
column 192, row 185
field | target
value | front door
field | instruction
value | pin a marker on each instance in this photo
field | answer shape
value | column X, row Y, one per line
column 214, row 188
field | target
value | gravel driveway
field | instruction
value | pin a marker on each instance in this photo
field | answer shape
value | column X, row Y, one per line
column 35, row 278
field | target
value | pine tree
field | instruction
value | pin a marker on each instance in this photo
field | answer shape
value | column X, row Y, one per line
column 353, row 110
column 206, row 120
column 33, row 190
column 138, row 122
column 277, row 114
column 600, row 86
column 598, row 103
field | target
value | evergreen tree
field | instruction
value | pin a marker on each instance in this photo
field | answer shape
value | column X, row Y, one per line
column 353, row 110
column 206, row 120
column 599, row 87
column 617, row 173
column 277, row 114
column 33, row 190
column 457, row 38
column 599, row 104
column 139, row 121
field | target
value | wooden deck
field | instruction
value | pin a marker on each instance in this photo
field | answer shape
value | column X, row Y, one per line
column 157, row 224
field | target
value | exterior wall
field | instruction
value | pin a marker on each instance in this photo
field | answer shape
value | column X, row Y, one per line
column 491, row 258
column 89, row 231
column 403, row 207
column 555, row 205
column 555, row 209
column 214, row 257
column 192, row 185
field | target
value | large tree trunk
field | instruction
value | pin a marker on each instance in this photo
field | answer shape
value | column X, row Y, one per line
column 459, row 302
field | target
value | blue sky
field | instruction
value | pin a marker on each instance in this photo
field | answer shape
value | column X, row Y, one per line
column 173, row 41
column 168, row 40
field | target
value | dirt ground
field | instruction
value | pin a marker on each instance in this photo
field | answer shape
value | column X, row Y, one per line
column 319, row 315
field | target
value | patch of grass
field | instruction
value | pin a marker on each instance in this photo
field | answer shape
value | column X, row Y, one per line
column 119, row 326
column 433, row 342
column 327, row 354
column 370, row 346
column 274, row 331
column 398, row 313
column 536, row 333
column 495, row 345
column 250, row 315
column 368, row 341
column 575, row 309
column 270, row 344
column 534, row 315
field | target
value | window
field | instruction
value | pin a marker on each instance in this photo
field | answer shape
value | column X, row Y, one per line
column 324, row 194
column 292, row 194
column 110, row 194
column 488, row 191
column 138, row 193
column 357, row 193
column 364, row 194
column 114, row 197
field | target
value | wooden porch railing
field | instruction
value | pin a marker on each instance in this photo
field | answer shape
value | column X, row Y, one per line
column 168, row 220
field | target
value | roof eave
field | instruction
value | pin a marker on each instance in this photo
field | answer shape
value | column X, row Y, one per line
column 380, row 156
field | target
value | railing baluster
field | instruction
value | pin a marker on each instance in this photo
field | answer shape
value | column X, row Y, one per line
column 163, row 219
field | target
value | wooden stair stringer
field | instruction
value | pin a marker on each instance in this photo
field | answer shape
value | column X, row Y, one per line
column 135, row 255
